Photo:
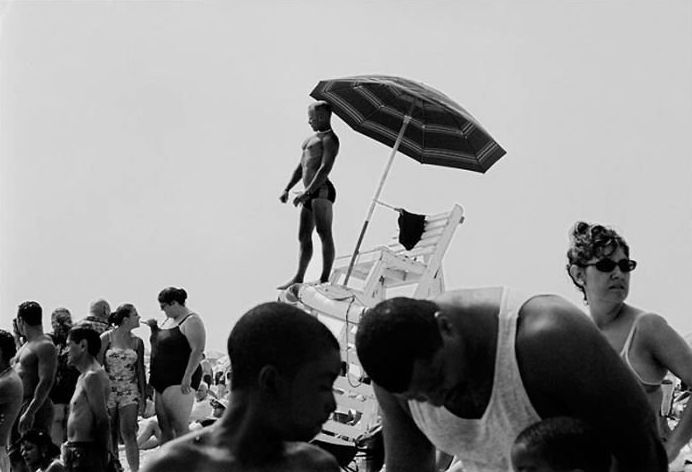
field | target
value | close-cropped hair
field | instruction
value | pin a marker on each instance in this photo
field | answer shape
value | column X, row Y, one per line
column 322, row 107
column 172, row 294
column 275, row 334
column 589, row 241
column 93, row 339
column 392, row 336
column 30, row 312
column 566, row 443
column 123, row 311
column 7, row 345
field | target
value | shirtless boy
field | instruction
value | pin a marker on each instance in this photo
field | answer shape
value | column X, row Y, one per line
column 88, row 428
column 35, row 362
column 319, row 153
column 284, row 364
column 11, row 393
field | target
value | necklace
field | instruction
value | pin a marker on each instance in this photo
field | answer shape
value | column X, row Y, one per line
column 6, row 370
column 324, row 131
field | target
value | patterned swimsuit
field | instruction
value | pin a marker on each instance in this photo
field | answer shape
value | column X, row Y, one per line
column 121, row 365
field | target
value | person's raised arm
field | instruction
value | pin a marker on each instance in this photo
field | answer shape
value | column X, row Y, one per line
column 406, row 448
column 569, row 369
column 193, row 329
column 671, row 351
column 96, row 391
column 330, row 148
column 46, row 355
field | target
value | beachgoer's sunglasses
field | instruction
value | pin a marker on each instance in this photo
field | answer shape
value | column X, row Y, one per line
column 609, row 265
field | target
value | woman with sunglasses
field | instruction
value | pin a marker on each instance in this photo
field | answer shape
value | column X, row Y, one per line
column 599, row 264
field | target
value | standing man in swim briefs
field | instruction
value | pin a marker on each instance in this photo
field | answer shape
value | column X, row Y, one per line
column 319, row 153
column 88, row 428
column 36, row 363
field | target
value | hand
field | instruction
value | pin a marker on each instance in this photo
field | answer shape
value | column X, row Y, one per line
column 300, row 198
column 283, row 198
column 26, row 422
column 185, row 385
column 152, row 323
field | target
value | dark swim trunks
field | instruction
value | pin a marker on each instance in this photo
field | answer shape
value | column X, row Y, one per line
column 84, row 457
column 326, row 191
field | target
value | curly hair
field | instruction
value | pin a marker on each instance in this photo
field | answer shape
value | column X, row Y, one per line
column 587, row 241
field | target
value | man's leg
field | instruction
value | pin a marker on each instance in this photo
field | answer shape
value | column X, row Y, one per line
column 322, row 209
column 305, row 228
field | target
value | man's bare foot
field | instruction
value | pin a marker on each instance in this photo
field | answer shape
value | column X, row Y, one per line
column 289, row 283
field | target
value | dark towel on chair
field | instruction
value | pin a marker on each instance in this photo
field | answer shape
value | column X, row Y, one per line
column 411, row 227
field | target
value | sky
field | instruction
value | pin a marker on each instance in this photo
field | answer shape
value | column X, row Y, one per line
column 144, row 144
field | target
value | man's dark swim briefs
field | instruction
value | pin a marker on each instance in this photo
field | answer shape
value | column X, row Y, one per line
column 326, row 190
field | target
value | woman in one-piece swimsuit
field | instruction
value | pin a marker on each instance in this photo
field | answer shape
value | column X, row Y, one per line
column 600, row 266
column 175, row 372
column 122, row 355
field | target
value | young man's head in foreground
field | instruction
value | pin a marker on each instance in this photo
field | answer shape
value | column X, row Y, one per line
column 560, row 444
column 286, row 362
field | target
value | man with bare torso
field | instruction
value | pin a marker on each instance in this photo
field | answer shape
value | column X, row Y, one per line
column 11, row 393
column 284, row 363
column 35, row 362
column 317, row 159
column 88, row 430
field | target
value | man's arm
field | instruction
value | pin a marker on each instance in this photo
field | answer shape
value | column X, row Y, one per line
column 406, row 447
column 569, row 369
column 95, row 387
column 673, row 353
column 330, row 148
column 46, row 356
column 295, row 178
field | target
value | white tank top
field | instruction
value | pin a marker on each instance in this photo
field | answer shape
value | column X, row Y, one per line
column 484, row 444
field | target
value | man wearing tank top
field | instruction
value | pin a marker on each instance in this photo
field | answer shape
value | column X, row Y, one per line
column 466, row 372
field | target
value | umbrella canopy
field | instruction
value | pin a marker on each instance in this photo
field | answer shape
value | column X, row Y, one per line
column 439, row 130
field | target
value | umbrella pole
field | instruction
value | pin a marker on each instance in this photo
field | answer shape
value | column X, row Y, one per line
column 397, row 143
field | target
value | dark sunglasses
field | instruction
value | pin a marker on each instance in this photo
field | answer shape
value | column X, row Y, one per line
column 609, row 265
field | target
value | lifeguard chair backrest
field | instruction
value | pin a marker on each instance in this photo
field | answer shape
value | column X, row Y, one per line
column 437, row 235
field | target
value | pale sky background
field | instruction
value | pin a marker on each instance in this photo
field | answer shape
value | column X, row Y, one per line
column 145, row 144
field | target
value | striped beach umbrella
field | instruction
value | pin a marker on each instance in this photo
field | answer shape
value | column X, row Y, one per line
column 410, row 117
column 436, row 129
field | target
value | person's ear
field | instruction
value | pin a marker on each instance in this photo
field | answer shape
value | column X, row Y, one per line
column 269, row 380
column 444, row 324
column 577, row 274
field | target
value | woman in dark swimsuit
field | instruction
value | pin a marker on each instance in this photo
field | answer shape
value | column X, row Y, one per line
column 175, row 373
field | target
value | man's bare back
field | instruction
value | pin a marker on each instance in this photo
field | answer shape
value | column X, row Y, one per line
column 81, row 423
column 30, row 355
column 210, row 450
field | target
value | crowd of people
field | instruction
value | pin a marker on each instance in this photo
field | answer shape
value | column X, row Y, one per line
column 483, row 379
column 71, row 396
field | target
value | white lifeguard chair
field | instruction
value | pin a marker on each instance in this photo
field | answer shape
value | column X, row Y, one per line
column 392, row 265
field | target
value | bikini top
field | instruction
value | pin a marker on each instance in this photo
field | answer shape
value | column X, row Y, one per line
column 648, row 385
